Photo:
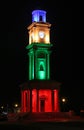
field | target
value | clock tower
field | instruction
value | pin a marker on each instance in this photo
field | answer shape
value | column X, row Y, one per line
column 39, row 93
column 39, row 47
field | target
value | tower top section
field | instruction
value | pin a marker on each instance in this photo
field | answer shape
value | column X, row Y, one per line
column 38, row 16
column 39, row 30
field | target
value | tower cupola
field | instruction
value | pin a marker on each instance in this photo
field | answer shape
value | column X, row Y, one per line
column 39, row 16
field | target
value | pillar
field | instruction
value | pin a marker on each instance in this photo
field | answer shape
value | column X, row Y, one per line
column 52, row 100
column 37, row 100
column 48, row 66
column 56, row 102
column 30, row 100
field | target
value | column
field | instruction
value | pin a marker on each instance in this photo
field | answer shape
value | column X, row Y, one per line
column 48, row 66
column 24, row 102
column 28, row 100
column 37, row 100
column 35, row 64
column 31, row 100
column 56, row 102
column 52, row 100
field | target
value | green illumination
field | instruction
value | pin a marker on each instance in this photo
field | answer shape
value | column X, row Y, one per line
column 39, row 61
column 41, row 68
column 39, row 45
column 41, row 75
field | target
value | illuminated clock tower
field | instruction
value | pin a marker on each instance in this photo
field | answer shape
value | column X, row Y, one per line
column 39, row 93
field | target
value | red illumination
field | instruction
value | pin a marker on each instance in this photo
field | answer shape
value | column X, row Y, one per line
column 56, row 103
column 24, row 102
column 45, row 97
column 40, row 100
column 34, row 100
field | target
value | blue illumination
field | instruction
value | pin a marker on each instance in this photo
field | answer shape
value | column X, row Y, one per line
column 39, row 16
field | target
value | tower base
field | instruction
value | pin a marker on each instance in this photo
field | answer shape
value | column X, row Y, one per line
column 40, row 96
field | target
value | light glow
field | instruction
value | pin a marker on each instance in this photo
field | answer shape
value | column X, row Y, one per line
column 37, row 14
column 63, row 100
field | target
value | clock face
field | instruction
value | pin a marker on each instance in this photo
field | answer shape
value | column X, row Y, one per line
column 41, row 34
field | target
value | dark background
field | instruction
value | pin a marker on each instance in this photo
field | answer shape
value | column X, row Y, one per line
column 14, row 19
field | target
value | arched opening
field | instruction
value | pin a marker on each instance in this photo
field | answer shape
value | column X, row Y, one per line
column 42, row 103
column 40, row 18
column 41, row 68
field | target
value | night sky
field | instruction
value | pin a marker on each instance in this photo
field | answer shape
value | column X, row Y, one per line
column 15, row 18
